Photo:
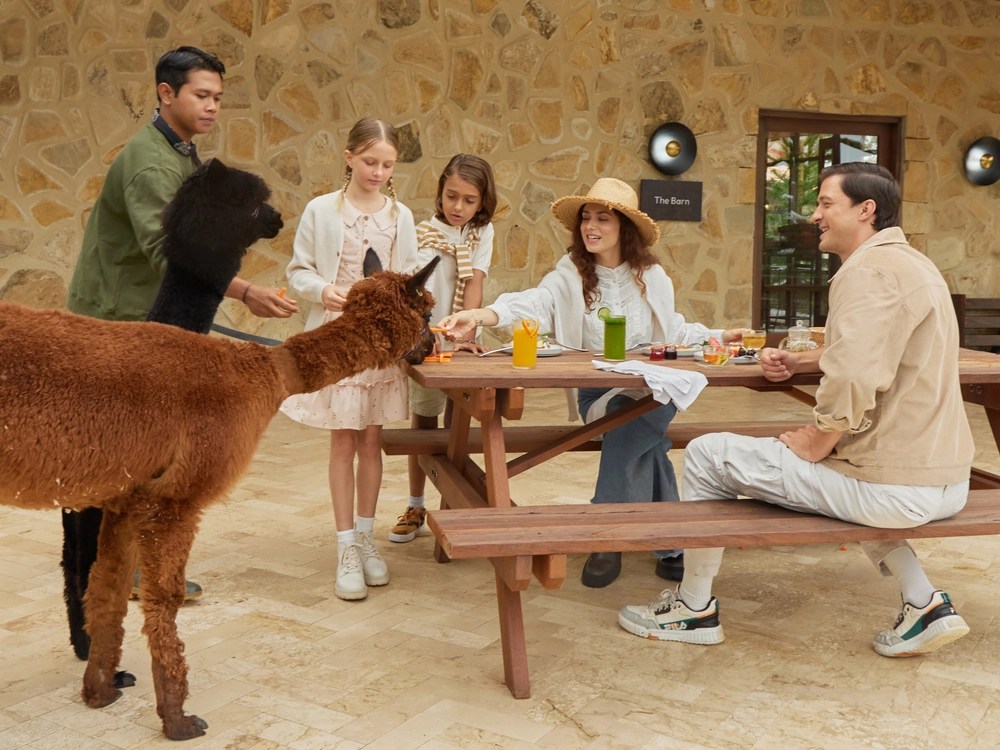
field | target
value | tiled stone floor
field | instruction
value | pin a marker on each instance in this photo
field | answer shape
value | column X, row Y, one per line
column 277, row 661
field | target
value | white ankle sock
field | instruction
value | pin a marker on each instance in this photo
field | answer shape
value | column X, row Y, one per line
column 416, row 502
column 695, row 591
column 914, row 585
column 364, row 524
column 346, row 537
column 700, row 569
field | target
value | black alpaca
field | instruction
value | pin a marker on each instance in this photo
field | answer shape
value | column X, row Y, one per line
column 216, row 214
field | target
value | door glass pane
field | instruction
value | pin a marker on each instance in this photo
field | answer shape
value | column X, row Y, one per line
column 795, row 274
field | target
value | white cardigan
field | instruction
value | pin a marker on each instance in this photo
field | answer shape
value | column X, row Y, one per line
column 319, row 241
column 557, row 304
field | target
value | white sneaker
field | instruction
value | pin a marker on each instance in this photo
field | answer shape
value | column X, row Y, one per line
column 350, row 574
column 920, row 630
column 670, row 619
column 375, row 570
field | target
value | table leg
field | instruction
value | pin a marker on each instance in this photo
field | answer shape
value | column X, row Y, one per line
column 515, row 652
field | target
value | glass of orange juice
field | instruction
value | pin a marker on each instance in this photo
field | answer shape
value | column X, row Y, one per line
column 525, row 344
column 754, row 339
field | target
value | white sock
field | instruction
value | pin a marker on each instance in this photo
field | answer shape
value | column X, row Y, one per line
column 695, row 591
column 416, row 502
column 700, row 568
column 914, row 585
column 364, row 524
column 344, row 538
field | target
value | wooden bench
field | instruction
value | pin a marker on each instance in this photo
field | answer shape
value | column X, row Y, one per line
column 407, row 441
column 527, row 541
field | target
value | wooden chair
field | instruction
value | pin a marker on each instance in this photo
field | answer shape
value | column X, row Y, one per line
column 978, row 322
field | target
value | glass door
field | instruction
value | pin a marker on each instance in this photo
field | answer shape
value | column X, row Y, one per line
column 792, row 275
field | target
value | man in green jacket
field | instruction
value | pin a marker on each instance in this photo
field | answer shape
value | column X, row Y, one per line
column 121, row 263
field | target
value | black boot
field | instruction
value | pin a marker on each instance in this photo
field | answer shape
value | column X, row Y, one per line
column 601, row 569
column 670, row 568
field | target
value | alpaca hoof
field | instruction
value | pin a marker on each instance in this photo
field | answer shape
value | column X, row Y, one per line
column 124, row 679
column 187, row 728
column 101, row 698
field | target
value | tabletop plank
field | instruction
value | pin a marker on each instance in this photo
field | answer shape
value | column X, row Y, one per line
column 574, row 369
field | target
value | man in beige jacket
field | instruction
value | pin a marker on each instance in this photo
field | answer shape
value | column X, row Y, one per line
column 890, row 445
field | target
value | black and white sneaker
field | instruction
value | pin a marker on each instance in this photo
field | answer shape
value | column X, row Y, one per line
column 921, row 630
column 670, row 619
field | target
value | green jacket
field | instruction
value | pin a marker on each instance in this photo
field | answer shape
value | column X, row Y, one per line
column 121, row 263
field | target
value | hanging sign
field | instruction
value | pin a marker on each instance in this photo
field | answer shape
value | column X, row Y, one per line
column 672, row 200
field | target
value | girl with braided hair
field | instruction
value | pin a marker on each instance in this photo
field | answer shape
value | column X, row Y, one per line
column 338, row 235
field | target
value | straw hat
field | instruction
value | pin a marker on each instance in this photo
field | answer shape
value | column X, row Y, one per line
column 611, row 193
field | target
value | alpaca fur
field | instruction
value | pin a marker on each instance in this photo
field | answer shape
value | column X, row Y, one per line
column 215, row 215
column 152, row 423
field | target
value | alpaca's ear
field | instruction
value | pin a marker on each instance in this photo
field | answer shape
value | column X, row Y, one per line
column 419, row 280
column 371, row 263
column 216, row 170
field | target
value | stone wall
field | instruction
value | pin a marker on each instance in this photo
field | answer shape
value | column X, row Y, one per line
column 554, row 93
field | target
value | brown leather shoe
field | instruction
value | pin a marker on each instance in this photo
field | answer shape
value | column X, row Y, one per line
column 601, row 569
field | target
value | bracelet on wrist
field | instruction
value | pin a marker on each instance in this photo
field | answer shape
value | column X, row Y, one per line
column 243, row 299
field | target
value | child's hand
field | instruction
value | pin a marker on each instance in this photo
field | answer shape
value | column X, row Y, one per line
column 459, row 326
column 470, row 346
column 333, row 298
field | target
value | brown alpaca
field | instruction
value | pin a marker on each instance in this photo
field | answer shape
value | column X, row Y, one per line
column 151, row 423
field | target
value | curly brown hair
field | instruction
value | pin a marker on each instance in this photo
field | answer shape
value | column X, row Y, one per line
column 634, row 252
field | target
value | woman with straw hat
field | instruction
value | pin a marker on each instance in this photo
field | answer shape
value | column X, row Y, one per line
column 609, row 267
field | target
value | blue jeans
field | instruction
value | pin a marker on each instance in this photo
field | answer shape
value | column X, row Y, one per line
column 634, row 466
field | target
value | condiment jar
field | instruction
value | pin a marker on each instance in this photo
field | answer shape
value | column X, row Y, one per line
column 799, row 338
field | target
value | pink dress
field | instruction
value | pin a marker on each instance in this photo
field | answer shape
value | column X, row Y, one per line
column 374, row 396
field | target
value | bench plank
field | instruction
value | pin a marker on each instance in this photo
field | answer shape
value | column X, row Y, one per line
column 628, row 527
column 406, row 441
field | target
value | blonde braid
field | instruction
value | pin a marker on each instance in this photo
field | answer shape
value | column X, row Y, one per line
column 390, row 190
column 347, row 177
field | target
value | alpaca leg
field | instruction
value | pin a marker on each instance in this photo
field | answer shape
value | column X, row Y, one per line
column 105, row 604
column 164, row 546
column 80, row 534
column 80, row 530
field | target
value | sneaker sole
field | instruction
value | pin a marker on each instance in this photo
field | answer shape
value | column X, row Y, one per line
column 700, row 636
column 940, row 633
column 380, row 581
column 400, row 538
column 350, row 596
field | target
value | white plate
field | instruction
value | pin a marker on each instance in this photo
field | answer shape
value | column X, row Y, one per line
column 745, row 360
column 551, row 351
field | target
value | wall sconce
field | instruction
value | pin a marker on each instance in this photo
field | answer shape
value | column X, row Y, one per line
column 982, row 161
column 672, row 148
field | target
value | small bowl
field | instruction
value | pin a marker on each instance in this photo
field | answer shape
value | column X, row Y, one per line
column 715, row 357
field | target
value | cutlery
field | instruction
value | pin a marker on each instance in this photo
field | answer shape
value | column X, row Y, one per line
column 495, row 351
column 567, row 346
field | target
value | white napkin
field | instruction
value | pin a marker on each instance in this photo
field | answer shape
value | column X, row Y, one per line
column 680, row 386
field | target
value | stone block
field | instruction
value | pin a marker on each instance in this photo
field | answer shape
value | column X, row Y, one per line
column 467, row 74
column 422, row 48
column 546, row 116
column 47, row 212
column 563, row 164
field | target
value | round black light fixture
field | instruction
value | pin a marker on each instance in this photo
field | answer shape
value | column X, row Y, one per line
column 982, row 161
column 672, row 148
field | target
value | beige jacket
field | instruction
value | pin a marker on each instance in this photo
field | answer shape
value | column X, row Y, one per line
column 890, row 369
